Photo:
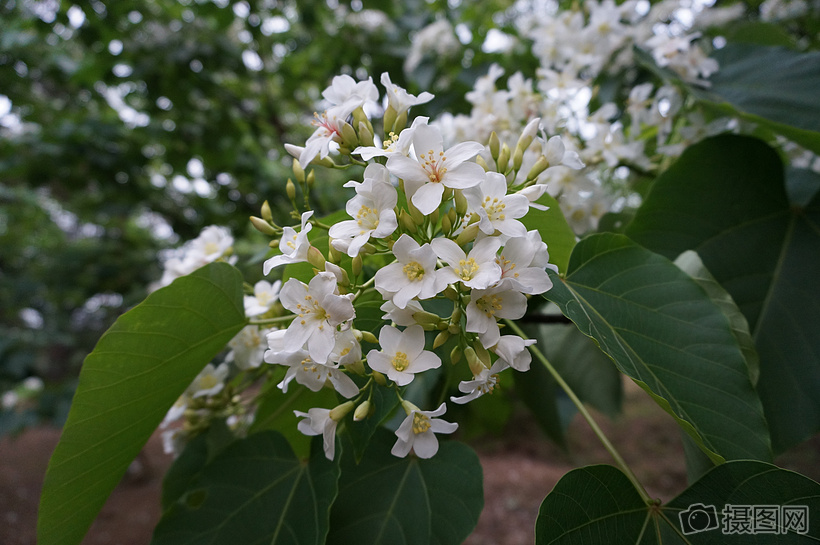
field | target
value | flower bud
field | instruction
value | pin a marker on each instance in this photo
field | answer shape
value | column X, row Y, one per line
column 389, row 120
column 400, row 123
column 434, row 216
column 262, row 226
column 468, row 234
column 379, row 378
column 451, row 293
column 407, row 222
column 540, row 166
column 334, row 255
column 356, row 265
column 455, row 355
column 350, row 139
column 446, row 224
column 417, row 216
column 366, row 133
column 441, row 338
column 503, row 158
column 423, row 317
column 339, row 412
column 311, row 178
column 363, row 411
column 495, row 146
column 528, row 134
column 369, row 337
column 298, row 171
column 518, row 158
column 316, row 258
column 290, row 189
column 274, row 243
column 482, row 163
column 483, row 355
column 266, row 212
column 472, row 360
column 461, row 202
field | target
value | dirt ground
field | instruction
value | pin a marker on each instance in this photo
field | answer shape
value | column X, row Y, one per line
column 520, row 469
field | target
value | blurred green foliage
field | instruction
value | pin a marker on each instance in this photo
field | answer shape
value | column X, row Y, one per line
column 126, row 127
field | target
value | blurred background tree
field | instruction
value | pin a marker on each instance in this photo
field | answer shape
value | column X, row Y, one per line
column 126, row 127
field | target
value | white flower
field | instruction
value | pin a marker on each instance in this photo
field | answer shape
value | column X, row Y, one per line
column 209, row 381
column 412, row 275
column 478, row 270
column 395, row 145
column 264, row 297
column 214, row 242
column 517, row 264
column 346, row 349
column 402, row 354
column 496, row 209
column 484, row 383
column 371, row 210
column 417, row 432
column 328, row 133
column 512, row 350
column 401, row 316
column 318, row 311
column 426, row 176
column 318, row 422
column 557, row 154
column 399, row 99
column 176, row 411
column 247, row 347
column 294, row 246
column 345, row 90
column 310, row 373
column 487, row 306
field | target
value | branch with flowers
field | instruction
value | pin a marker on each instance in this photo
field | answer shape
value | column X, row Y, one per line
column 319, row 415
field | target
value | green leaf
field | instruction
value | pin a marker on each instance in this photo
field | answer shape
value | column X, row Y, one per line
column 554, row 229
column 690, row 263
column 139, row 368
column 663, row 331
column 386, row 500
column 598, row 504
column 275, row 410
column 255, row 491
column 185, row 468
column 384, row 402
column 775, row 86
column 725, row 199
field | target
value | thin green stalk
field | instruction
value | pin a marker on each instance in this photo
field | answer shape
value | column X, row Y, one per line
column 585, row 413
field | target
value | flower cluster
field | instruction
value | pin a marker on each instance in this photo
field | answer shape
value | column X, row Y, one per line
column 430, row 227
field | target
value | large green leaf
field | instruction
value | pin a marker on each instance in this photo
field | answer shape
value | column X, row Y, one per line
column 139, row 368
column 255, row 491
column 598, row 504
column 775, row 86
column 384, row 500
column 725, row 198
column 662, row 330
column 690, row 263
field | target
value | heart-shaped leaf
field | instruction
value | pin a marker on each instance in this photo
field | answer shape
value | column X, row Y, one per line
column 725, row 198
column 384, row 500
column 737, row 502
column 662, row 330
column 254, row 491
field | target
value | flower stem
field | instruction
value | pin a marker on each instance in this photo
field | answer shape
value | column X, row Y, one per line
column 585, row 413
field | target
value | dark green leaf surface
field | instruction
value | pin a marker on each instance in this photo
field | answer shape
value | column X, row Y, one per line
column 690, row 263
column 255, row 491
column 598, row 504
column 662, row 330
column 725, row 199
column 773, row 85
column 127, row 384
column 384, row 500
